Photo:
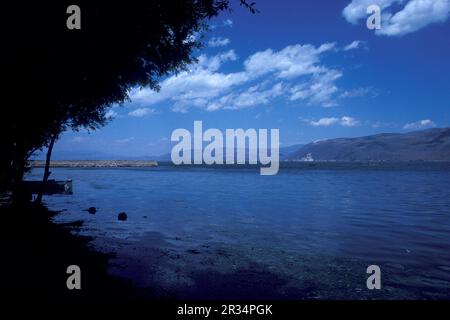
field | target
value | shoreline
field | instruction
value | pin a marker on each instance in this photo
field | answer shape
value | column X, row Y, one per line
column 95, row 163
column 176, row 268
column 40, row 251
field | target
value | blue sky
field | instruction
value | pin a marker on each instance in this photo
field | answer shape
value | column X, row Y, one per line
column 310, row 68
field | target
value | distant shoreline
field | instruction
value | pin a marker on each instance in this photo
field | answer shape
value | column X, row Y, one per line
column 290, row 164
column 95, row 163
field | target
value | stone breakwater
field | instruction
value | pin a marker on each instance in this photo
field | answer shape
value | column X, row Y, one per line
column 95, row 163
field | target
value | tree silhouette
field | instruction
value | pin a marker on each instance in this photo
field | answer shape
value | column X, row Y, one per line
column 59, row 79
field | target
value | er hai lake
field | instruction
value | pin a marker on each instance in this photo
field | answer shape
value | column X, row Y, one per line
column 309, row 232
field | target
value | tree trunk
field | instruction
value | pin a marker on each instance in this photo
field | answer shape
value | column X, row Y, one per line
column 17, row 170
column 47, row 168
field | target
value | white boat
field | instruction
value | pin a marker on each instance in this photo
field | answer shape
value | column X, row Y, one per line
column 307, row 158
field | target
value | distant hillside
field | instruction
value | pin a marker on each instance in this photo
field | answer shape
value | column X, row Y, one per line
column 284, row 153
column 89, row 155
column 98, row 155
column 426, row 145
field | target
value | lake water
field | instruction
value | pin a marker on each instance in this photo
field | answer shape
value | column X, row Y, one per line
column 309, row 232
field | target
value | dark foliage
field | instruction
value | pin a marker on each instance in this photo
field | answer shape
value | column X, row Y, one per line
column 60, row 79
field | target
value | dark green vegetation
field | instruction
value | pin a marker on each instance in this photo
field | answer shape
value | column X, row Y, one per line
column 426, row 145
column 59, row 79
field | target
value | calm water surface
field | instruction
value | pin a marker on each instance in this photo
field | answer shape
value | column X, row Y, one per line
column 321, row 226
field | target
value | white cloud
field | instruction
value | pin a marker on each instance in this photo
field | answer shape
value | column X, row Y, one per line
column 357, row 9
column 195, row 87
column 228, row 23
column 415, row 15
column 218, row 42
column 343, row 121
column 215, row 62
column 110, row 114
column 324, row 122
column 295, row 73
column 349, row 122
column 422, row 124
column 355, row 45
column 253, row 96
column 319, row 90
column 142, row 112
column 292, row 61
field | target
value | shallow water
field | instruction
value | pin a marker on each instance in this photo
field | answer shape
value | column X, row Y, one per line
column 308, row 232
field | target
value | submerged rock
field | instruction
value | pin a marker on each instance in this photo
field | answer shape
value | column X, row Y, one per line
column 122, row 216
column 92, row 210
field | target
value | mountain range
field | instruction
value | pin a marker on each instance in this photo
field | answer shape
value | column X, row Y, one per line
column 425, row 145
